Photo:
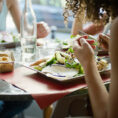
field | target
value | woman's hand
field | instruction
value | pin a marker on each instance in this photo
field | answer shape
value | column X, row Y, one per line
column 104, row 41
column 42, row 30
column 83, row 51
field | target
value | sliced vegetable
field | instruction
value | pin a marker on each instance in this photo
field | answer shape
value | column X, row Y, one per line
column 52, row 61
column 59, row 58
column 3, row 41
column 81, row 70
column 38, row 68
column 64, row 43
column 91, row 37
column 90, row 41
column 39, row 62
column 70, row 50
column 85, row 37
column 72, row 36
column 93, row 46
column 72, row 65
column 67, row 56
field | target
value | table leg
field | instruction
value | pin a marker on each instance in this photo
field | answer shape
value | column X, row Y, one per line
column 48, row 111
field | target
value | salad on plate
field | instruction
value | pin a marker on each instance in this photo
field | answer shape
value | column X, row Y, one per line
column 6, row 37
column 64, row 65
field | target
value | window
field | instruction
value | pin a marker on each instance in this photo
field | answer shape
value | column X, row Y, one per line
column 50, row 11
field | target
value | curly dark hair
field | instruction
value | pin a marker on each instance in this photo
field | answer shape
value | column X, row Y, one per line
column 92, row 9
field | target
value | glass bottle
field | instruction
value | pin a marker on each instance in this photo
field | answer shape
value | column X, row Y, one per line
column 28, row 32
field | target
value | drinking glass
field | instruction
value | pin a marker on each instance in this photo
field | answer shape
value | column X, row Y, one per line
column 45, row 52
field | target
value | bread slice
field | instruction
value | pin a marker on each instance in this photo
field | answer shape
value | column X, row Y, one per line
column 6, row 61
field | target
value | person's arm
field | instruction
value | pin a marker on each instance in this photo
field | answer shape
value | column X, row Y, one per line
column 42, row 27
column 78, row 23
column 93, row 29
column 113, row 100
column 90, row 29
column 97, row 91
column 77, row 26
column 15, row 12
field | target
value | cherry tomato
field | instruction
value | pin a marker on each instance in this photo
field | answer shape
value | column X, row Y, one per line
column 93, row 46
column 90, row 41
column 85, row 37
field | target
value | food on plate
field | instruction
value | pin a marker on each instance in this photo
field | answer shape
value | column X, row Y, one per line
column 101, row 64
column 3, row 54
column 61, row 62
column 39, row 62
column 61, row 57
column 6, row 61
column 60, row 70
column 90, row 39
column 6, row 37
column 68, row 43
column 64, row 64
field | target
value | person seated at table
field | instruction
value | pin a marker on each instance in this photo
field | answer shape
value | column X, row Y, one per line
column 13, row 7
column 101, row 29
column 9, row 109
column 91, row 28
column 104, row 104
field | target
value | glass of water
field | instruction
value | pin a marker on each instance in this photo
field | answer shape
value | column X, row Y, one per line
column 45, row 52
column 28, row 48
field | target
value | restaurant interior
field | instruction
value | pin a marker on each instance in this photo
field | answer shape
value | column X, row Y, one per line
column 58, row 59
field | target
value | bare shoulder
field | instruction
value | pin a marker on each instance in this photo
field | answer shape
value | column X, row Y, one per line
column 10, row 3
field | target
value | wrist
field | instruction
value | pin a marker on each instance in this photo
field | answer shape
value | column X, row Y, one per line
column 89, row 64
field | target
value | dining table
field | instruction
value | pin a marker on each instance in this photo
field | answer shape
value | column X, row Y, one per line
column 25, row 84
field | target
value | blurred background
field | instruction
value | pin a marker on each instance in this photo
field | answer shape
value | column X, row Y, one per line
column 50, row 11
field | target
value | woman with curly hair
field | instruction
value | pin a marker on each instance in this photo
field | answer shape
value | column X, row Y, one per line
column 80, row 17
column 104, row 104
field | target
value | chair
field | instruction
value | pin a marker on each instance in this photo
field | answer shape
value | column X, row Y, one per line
column 47, row 112
column 72, row 105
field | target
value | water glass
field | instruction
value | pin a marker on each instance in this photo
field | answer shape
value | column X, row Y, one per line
column 28, row 47
column 45, row 52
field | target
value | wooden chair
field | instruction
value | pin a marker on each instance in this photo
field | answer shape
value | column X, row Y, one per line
column 75, row 105
column 48, row 111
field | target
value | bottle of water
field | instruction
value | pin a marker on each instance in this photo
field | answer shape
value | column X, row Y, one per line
column 28, row 32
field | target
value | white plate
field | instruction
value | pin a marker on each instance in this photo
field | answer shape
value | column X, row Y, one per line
column 62, row 78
